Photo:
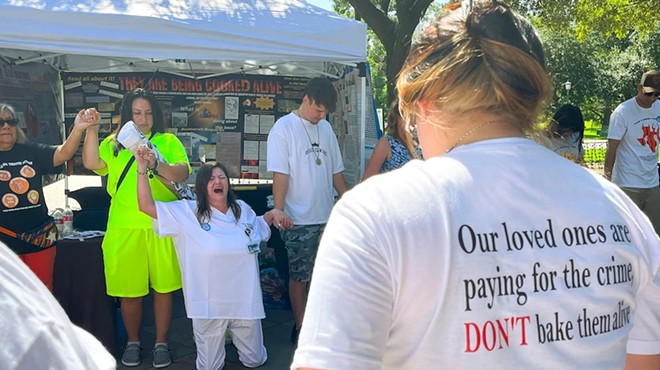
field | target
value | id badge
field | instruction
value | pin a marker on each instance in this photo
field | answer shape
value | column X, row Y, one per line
column 254, row 248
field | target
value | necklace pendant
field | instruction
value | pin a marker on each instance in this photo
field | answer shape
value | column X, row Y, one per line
column 318, row 161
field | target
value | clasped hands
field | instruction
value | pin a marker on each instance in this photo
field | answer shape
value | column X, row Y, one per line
column 86, row 118
column 146, row 157
column 280, row 219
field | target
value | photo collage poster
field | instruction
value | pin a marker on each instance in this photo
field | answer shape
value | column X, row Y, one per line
column 225, row 119
column 346, row 123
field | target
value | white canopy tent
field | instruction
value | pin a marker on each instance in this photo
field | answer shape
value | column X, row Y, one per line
column 194, row 38
column 190, row 38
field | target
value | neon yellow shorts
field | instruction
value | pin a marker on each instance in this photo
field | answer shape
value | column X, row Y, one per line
column 136, row 259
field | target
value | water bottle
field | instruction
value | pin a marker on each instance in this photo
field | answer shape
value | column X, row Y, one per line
column 58, row 217
column 67, row 217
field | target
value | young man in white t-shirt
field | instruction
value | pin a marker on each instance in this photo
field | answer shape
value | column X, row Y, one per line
column 632, row 148
column 307, row 167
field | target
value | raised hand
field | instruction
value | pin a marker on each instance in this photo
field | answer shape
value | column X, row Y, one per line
column 144, row 156
column 86, row 118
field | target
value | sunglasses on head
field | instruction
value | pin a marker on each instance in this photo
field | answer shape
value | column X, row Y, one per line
column 656, row 93
column 11, row 122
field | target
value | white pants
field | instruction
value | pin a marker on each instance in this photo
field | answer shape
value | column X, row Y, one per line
column 247, row 336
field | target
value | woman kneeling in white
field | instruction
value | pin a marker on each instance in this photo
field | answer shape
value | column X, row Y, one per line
column 216, row 239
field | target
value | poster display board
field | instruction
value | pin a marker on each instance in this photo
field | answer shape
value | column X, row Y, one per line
column 226, row 118
column 346, row 123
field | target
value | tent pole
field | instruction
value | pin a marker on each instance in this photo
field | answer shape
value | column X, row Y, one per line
column 363, row 114
column 36, row 59
column 60, row 84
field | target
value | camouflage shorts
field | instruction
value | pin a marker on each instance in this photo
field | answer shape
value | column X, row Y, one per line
column 301, row 244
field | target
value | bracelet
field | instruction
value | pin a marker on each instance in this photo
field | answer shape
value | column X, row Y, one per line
column 142, row 173
column 156, row 163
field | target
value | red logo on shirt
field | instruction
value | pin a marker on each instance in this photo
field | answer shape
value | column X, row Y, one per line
column 649, row 137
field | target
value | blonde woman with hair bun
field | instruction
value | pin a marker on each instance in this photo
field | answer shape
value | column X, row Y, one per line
column 493, row 252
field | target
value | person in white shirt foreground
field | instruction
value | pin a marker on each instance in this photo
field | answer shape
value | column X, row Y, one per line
column 216, row 238
column 36, row 332
column 494, row 253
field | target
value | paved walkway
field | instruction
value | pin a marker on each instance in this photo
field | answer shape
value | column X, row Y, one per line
column 277, row 330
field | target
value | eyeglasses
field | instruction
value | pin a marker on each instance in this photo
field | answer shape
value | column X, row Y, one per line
column 11, row 122
column 656, row 93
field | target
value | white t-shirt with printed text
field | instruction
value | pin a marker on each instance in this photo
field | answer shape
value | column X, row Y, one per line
column 310, row 194
column 474, row 261
column 636, row 164
column 220, row 276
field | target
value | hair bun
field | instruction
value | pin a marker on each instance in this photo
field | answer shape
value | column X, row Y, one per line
column 498, row 23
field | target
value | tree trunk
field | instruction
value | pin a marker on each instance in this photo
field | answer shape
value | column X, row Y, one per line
column 605, row 123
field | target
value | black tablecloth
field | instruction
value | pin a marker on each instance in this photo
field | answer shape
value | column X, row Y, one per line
column 79, row 286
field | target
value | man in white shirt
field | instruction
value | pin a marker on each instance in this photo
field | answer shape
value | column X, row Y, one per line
column 631, row 161
column 307, row 167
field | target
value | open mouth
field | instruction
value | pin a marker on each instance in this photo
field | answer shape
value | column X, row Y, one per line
column 219, row 191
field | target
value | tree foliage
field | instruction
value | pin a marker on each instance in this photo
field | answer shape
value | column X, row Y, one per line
column 604, row 61
column 601, row 46
column 392, row 23
column 607, row 17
